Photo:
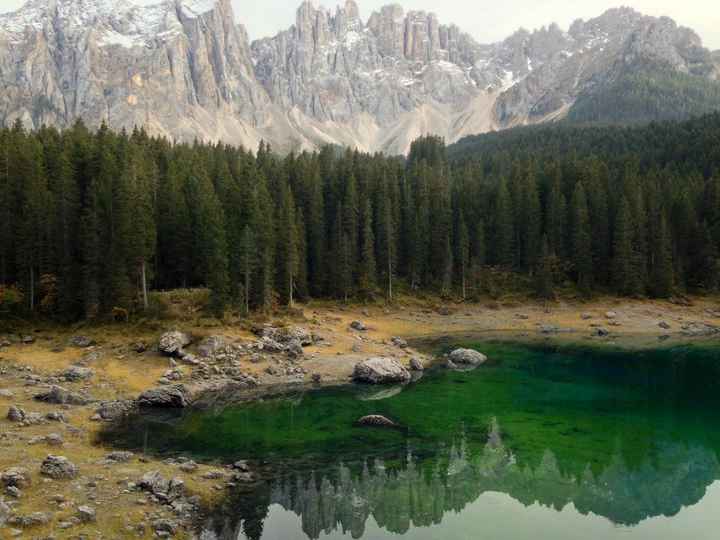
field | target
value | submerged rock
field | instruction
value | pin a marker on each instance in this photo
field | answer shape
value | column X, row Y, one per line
column 380, row 371
column 376, row 420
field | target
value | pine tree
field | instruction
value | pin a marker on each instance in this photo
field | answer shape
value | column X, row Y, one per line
column 288, row 257
column 367, row 274
column 581, row 240
column 623, row 255
column 544, row 273
column 504, row 228
column 463, row 254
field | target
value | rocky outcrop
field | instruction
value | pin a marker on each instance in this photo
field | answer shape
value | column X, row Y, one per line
column 380, row 371
column 184, row 69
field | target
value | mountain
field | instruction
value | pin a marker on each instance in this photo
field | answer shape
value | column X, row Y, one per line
column 184, row 69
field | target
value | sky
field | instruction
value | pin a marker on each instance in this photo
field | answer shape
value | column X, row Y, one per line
column 486, row 21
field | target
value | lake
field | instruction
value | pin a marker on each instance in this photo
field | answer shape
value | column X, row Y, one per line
column 545, row 442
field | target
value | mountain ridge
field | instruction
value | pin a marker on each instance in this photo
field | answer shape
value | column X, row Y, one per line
column 185, row 69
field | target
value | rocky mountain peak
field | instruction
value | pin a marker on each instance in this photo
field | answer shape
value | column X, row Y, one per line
column 185, row 69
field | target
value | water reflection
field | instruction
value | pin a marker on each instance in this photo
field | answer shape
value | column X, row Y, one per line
column 399, row 495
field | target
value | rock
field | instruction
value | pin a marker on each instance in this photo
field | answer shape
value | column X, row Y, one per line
column 82, row 342
column 586, row 316
column 77, row 373
column 35, row 519
column 5, row 393
column 698, row 329
column 18, row 477
column 399, row 342
column 522, row 317
column 5, row 512
column 359, row 326
column 287, row 334
column 380, row 371
column 172, row 343
column 61, row 396
column 601, row 332
column 295, row 350
column 210, row 345
column 28, row 340
column 416, row 364
column 168, row 397
column 115, row 410
column 13, row 492
column 316, row 378
column 120, row 457
column 86, row 514
column 467, row 357
column 548, row 329
column 54, row 439
column 55, row 416
column 376, row 420
column 16, row 414
column 611, row 315
column 165, row 526
column 58, row 468
column 164, row 489
column 139, row 347
column 664, row 325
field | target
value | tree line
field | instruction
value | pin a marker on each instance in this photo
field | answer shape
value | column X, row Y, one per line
column 94, row 220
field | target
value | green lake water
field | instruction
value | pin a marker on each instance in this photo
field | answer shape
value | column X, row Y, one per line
column 542, row 443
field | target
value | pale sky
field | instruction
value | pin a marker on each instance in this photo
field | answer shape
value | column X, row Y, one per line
column 486, row 21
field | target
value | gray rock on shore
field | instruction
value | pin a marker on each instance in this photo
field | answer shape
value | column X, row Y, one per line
column 168, row 397
column 58, row 468
column 172, row 343
column 61, row 396
column 380, row 371
column 416, row 364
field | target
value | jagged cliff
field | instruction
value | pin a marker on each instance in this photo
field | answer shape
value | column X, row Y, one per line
column 185, row 69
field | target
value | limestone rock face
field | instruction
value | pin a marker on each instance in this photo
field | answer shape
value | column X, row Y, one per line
column 186, row 70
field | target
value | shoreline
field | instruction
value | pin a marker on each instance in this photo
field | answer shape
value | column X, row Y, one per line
column 120, row 372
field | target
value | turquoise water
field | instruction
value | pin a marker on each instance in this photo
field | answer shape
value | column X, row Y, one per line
column 543, row 443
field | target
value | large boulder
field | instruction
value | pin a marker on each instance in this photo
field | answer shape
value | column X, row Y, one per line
column 166, row 397
column 172, row 343
column 58, row 468
column 380, row 371
column 61, row 396
column 467, row 357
